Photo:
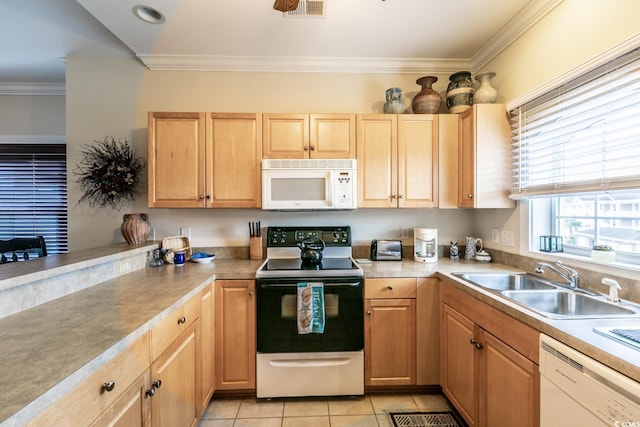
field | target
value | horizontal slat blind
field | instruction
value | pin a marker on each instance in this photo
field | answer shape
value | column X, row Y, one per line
column 582, row 137
column 33, row 193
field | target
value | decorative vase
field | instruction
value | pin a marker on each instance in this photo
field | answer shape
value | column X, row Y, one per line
column 394, row 104
column 427, row 101
column 460, row 92
column 485, row 94
column 135, row 228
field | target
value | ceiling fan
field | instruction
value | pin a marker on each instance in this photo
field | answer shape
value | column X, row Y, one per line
column 285, row 5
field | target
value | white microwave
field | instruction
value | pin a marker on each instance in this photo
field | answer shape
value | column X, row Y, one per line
column 309, row 184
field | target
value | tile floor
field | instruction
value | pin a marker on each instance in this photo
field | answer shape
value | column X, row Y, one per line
column 367, row 411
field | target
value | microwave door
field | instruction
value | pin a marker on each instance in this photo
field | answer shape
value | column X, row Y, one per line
column 297, row 189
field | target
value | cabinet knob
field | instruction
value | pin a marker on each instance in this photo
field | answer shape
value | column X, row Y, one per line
column 395, row 196
column 109, row 386
column 473, row 341
column 479, row 346
column 200, row 197
column 389, row 287
column 208, row 197
column 401, row 196
column 156, row 384
column 368, row 312
column 182, row 320
column 469, row 196
column 313, row 147
column 150, row 392
column 306, row 148
column 250, row 293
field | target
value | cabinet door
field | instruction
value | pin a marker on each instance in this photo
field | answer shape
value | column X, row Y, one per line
column 417, row 161
column 174, row 401
column 377, row 154
column 467, row 160
column 332, row 136
column 176, row 162
column 448, row 161
column 285, row 136
column 458, row 363
column 390, row 324
column 131, row 409
column 233, row 161
column 509, row 386
column 428, row 331
column 205, row 356
column 235, row 334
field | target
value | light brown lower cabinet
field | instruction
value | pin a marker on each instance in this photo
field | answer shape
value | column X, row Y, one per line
column 489, row 364
column 401, row 331
column 235, row 335
column 130, row 409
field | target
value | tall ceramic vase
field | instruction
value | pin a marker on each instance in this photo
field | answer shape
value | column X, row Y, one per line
column 427, row 101
column 485, row 94
column 394, row 104
column 135, row 228
column 460, row 92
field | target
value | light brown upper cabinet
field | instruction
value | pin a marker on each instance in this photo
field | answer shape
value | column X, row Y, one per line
column 484, row 157
column 397, row 160
column 210, row 160
column 309, row 136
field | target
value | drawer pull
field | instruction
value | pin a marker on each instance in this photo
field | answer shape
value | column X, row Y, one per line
column 109, row 386
column 369, row 313
column 182, row 320
column 390, row 287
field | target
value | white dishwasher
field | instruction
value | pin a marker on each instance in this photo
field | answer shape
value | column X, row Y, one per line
column 576, row 390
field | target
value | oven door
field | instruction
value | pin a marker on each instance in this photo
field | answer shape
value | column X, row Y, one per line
column 277, row 309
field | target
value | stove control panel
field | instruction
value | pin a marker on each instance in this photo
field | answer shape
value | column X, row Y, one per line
column 290, row 236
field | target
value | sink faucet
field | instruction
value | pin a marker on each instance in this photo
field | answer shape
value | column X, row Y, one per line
column 567, row 273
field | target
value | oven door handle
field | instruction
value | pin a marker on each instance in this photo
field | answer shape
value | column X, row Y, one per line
column 327, row 285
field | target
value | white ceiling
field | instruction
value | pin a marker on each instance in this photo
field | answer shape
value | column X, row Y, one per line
column 355, row 36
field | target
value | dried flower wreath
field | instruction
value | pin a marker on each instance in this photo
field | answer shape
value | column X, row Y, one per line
column 109, row 173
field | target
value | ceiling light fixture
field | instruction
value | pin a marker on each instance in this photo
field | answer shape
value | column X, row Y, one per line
column 148, row 14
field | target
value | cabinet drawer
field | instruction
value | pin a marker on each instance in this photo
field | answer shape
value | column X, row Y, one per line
column 390, row 288
column 85, row 402
column 170, row 328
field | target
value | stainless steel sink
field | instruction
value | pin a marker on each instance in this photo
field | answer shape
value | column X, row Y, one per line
column 563, row 304
column 507, row 281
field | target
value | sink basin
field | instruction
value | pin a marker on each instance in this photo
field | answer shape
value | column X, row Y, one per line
column 506, row 281
column 568, row 304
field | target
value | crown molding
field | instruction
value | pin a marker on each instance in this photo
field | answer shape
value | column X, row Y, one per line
column 517, row 26
column 32, row 88
column 306, row 64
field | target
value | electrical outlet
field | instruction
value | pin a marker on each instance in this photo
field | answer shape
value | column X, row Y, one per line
column 507, row 238
column 495, row 235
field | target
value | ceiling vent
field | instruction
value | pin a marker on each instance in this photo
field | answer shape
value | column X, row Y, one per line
column 309, row 9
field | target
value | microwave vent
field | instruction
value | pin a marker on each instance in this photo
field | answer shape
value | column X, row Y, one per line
column 308, row 9
column 309, row 164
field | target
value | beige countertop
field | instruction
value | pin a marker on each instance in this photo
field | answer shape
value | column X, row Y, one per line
column 37, row 364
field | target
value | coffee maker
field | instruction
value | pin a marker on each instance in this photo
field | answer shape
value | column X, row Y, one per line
column 425, row 244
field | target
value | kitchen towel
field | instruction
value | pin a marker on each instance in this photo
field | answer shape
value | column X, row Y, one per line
column 311, row 315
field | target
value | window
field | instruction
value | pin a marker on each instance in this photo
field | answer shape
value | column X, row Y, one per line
column 576, row 155
column 33, row 193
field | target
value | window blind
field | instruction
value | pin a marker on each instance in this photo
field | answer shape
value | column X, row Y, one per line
column 582, row 137
column 33, row 193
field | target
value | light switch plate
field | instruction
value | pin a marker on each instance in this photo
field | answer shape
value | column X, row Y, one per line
column 507, row 238
column 495, row 235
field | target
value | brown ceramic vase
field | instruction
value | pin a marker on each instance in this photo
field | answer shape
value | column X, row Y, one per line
column 427, row 101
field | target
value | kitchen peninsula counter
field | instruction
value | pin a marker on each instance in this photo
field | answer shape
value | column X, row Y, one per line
column 49, row 349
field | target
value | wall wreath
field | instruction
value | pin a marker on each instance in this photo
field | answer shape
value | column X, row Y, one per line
column 109, row 173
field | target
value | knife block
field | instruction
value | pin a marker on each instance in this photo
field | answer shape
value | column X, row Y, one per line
column 255, row 248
